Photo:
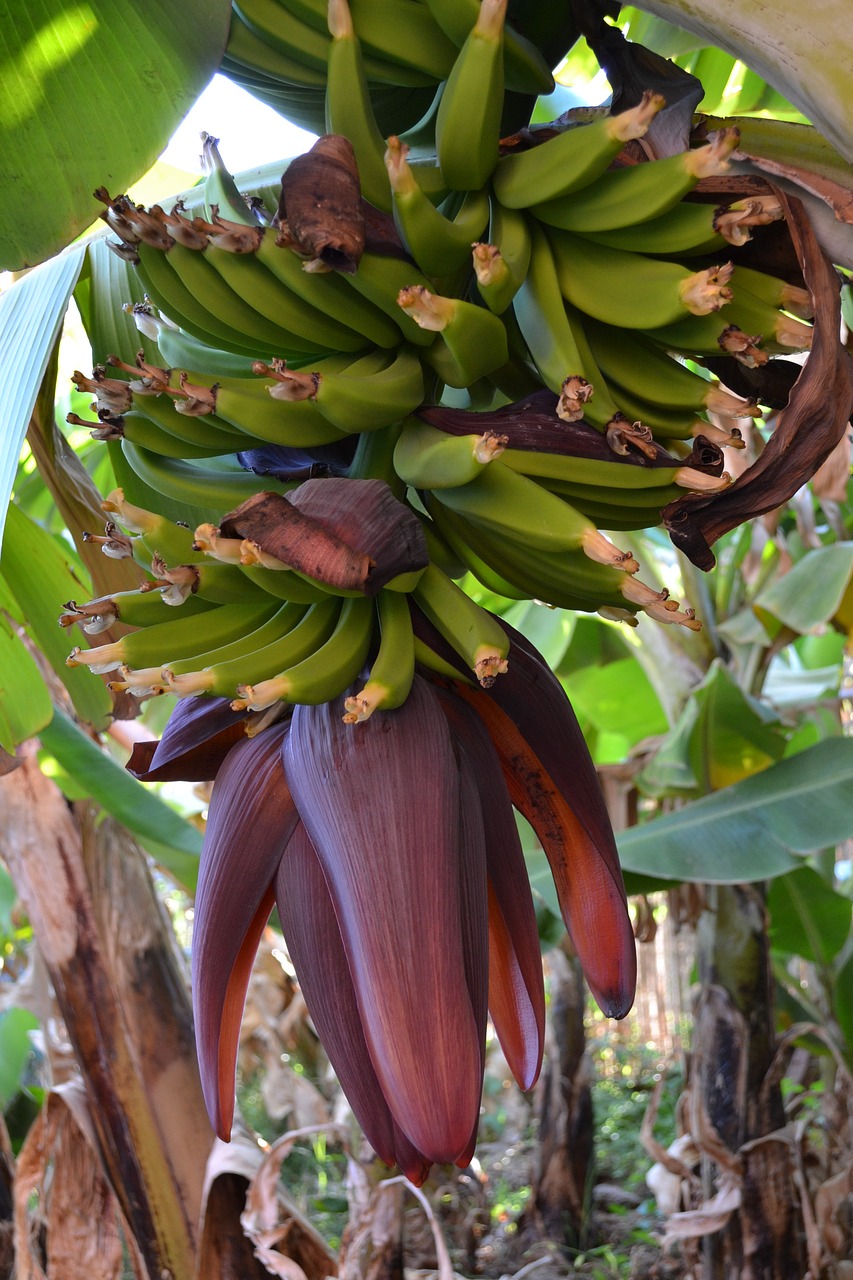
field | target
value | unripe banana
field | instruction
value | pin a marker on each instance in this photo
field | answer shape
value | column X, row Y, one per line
column 393, row 668
column 438, row 244
column 472, row 632
column 571, row 159
column 468, row 125
column 638, row 192
column 632, row 291
column 323, row 674
column 430, row 459
column 475, row 338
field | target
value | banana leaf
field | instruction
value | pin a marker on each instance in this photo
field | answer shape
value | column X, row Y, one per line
column 756, row 829
column 90, row 95
column 31, row 316
column 170, row 839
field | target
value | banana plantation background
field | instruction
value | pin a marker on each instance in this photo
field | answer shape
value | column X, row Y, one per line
column 708, row 1134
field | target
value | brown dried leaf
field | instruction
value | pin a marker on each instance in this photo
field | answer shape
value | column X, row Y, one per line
column 321, row 203
column 709, row 1217
column 807, row 430
column 829, row 1198
column 271, row 1218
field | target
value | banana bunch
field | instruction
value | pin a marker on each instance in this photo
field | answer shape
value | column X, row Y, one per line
column 519, row 357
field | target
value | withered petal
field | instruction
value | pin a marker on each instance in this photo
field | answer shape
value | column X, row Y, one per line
column 316, row 948
column 380, row 802
column 366, row 515
column 198, row 736
column 251, row 819
column 299, row 539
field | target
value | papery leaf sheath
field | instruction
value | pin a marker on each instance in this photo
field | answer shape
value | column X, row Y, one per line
column 316, row 948
column 251, row 818
column 380, row 802
column 516, row 992
column 552, row 781
column 198, row 736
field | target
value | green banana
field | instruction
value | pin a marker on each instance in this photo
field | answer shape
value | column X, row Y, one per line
column 633, row 363
column 632, row 291
column 749, row 330
column 171, row 294
column 525, row 69
column 192, row 674
column 328, row 292
column 247, row 50
column 142, row 608
column 215, row 296
column 309, row 329
column 557, row 342
column 513, row 504
column 427, row 458
column 156, row 535
column 221, row 583
column 774, row 292
column 181, row 350
column 393, row 669
column 287, row 28
column 615, row 476
column 140, row 429
column 253, row 409
column 379, row 279
column 473, row 338
column 571, row 159
column 472, row 632
column 501, row 266
column 638, row 192
column 468, row 124
column 322, row 674
column 690, row 228
column 349, row 110
column 180, row 637
column 469, row 560
column 211, row 432
column 220, row 488
column 567, row 580
column 439, row 245
column 363, row 397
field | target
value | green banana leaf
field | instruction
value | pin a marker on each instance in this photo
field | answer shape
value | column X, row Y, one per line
column 31, row 316
column 807, row 917
column 805, row 52
column 15, row 1049
column 41, row 577
column 90, row 95
column 168, row 837
column 811, row 592
column 754, row 829
column 25, row 706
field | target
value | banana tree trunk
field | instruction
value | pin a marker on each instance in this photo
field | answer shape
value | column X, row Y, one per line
column 561, row 1187
column 111, row 958
column 735, row 1100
